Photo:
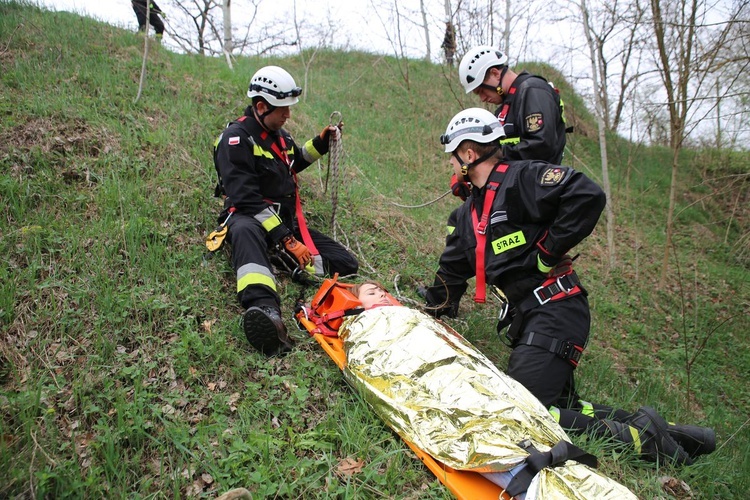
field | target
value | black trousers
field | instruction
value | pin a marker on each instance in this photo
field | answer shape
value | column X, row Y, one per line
column 153, row 18
column 250, row 246
column 546, row 375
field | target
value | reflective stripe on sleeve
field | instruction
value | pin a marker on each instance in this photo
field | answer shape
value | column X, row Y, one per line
column 268, row 219
column 309, row 153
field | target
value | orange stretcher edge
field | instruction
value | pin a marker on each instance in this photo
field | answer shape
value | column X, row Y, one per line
column 465, row 485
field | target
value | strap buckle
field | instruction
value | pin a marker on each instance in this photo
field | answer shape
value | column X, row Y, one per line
column 538, row 295
column 545, row 293
column 571, row 352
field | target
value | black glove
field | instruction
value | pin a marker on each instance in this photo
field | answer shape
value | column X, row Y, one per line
column 460, row 188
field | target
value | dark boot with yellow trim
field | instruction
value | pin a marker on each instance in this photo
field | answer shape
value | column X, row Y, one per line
column 647, row 431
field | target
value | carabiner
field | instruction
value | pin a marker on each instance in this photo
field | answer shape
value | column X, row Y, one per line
column 338, row 119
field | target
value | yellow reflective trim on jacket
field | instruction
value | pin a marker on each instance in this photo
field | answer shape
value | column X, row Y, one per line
column 510, row 140
column 309, row 152
column 259, row 151
column 271, row 223
column 562, row 111
column 450, row 229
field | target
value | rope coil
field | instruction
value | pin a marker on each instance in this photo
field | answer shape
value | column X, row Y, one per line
column 334, row 155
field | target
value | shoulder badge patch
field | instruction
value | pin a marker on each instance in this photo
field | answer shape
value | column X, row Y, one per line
column 233, row 141
column 534, row 122
column 552, row 176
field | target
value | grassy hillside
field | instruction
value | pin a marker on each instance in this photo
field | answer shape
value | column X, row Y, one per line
column 123, row 370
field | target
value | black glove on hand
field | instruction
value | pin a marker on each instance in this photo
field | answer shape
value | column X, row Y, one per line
column 460, row 188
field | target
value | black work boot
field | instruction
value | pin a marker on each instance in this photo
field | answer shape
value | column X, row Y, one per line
column 647, row 432
column 694, row 439
column 265, row 331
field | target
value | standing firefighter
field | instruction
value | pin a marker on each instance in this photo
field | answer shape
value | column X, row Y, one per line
column 529, row 108
column 514, row 233
column 257, row 162
column 141, row 8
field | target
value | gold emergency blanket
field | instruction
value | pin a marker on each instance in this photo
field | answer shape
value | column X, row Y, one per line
column 439, row 392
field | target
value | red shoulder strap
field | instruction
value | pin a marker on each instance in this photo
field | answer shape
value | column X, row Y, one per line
column 480, row 230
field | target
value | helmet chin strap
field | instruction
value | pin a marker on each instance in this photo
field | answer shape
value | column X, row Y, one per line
column 262, row 117
column 499, row 87
column 466, row 166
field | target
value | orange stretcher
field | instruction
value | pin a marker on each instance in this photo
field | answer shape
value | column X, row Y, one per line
column 322, row 319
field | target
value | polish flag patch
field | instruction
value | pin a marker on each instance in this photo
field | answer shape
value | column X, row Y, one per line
column 233, row 141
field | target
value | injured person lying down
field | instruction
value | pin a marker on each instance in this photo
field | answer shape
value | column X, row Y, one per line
column 440, row 394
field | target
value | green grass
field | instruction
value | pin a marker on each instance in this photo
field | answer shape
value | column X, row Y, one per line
column 124, row 372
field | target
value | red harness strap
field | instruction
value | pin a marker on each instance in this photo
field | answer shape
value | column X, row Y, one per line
column 281, row 152
column 506, row 105
column 480, row 232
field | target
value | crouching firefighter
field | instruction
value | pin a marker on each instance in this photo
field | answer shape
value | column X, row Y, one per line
column 257, row 163
column 513, row 233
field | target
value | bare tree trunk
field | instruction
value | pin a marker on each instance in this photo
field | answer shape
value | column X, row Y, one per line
column 506, row 32
column 600, row 103
column 227, row 46
column 428, row 55
column 718, row 115
column 676, row 102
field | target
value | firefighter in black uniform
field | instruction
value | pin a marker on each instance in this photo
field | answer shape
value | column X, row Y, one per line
column 529, row 108
column 257, row 162
column 513, row 234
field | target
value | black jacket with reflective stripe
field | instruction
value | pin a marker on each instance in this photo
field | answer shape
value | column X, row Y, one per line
column 253, row 176
column 535, row 198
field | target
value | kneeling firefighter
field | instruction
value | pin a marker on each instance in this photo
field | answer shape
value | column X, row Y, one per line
column 514, row 233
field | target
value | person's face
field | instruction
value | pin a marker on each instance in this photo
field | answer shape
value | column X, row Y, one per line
column 372, row 295
column 277, row 118
column 490, row 94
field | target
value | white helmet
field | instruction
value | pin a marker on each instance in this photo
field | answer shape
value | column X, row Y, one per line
column 275, row 85
column 475, row 64
column 473, row 124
